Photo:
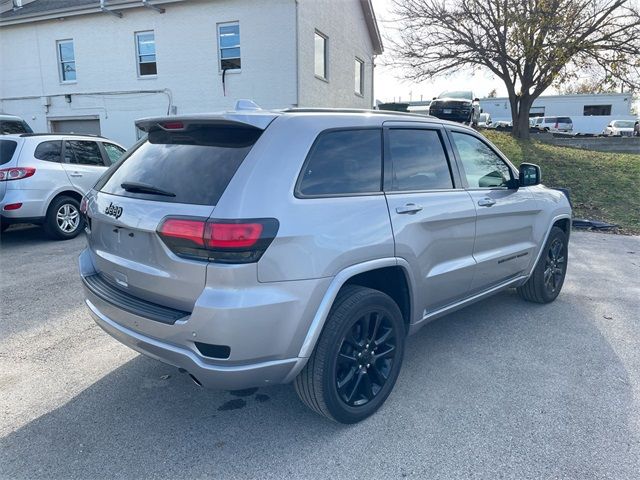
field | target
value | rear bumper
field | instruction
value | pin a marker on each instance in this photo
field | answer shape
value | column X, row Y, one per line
column 33, row 205
column 261, row 336
column 211, row 376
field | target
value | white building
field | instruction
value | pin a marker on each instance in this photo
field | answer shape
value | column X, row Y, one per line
column 589, row 113
column 94, row 67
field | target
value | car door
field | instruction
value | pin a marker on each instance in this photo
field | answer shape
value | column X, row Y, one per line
column 433, row 218
column 504, row 239
column 83, row 162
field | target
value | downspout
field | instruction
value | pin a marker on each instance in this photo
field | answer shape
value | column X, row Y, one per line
column 373, row 74
column 297, row 56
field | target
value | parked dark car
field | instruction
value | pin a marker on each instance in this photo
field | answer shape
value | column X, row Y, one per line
column 461, row 107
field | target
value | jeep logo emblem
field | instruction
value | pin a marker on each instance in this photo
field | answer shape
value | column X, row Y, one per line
column 113, row 210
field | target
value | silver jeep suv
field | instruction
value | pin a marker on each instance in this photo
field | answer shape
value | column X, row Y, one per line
column 253, row 248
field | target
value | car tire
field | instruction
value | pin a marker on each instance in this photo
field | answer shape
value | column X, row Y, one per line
column 63, row 220
column 546, row 281
column 357, row 358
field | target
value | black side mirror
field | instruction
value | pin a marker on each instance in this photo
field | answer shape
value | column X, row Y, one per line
column 476, row 99
column 433, row 98
column 529, row 174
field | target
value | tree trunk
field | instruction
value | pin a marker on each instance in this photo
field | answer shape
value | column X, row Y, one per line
column 520, row 117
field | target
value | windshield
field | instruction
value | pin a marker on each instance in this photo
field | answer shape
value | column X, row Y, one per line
column 623, row 124
column 461, row 94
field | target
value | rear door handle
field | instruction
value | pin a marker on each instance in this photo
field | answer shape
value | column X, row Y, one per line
column 408, row 208
column 486, row 202
column 75, row 174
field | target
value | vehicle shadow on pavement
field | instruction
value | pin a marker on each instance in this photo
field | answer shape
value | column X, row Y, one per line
column 22, row 235
column 505, row 386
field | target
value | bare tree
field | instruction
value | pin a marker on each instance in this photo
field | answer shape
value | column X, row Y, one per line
column 528, row 44
column 493, row 93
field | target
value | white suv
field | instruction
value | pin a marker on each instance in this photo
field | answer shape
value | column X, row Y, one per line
column 44, row 176
column 554, row 124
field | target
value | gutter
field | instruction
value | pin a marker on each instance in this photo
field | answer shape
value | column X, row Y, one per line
column 165, row 91
column 61, row 13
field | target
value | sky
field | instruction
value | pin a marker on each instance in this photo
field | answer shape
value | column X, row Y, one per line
column 387, row 86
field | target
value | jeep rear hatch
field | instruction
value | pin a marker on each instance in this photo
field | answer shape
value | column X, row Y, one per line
column 180, row 171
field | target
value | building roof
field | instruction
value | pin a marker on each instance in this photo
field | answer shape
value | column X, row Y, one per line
column 44, row 9
column 567, row 96
column 372, row 25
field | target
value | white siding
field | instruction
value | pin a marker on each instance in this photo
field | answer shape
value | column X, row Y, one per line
column 342, row 21
column 187, row 59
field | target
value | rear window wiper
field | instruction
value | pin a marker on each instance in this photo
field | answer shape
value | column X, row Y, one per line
column 134, row 187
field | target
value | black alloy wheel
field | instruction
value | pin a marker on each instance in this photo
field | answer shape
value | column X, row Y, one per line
column 365, row 358
column 357, row 359
column 545, row 283
column 555, row 266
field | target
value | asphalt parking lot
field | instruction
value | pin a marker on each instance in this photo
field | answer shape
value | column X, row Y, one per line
column 502, row 389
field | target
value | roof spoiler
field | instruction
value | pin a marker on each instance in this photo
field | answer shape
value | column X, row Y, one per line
column 246, row 114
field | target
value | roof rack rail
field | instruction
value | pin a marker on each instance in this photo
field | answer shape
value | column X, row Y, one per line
column 353, row 110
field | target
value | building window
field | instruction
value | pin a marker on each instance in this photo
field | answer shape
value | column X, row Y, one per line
column 591, row 110
column 146, row 53
column 359, row 70
column 229, row 44
column 67, row 61
column 320, row 68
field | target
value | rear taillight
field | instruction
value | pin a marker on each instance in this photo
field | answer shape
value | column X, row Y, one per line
column 221, row 241
column 16, row 173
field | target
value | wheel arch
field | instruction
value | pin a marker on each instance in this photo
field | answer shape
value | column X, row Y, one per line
column 67, row 192
column 564, row 222
column 368, row 274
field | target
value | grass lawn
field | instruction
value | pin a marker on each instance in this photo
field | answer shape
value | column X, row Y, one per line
column 604, row 186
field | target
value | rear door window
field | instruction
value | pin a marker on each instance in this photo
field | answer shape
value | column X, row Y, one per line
column 7, row 149
column 82, row 152
column 190, row 166
column 418, row 160
column 343, row 162
column 49, row 151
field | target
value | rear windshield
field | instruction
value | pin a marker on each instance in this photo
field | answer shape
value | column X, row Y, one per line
column 7, row 148
column 8, row 127
column 193, row 166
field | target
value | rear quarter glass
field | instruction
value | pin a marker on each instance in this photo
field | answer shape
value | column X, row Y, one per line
column 195, row 164
column 7, row 149
column 8, row 127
